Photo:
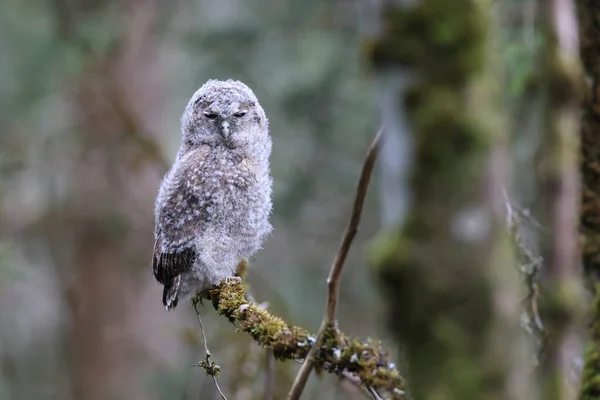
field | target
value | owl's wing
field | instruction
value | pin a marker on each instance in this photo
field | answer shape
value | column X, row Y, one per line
column 179, row 198
column 167, row 266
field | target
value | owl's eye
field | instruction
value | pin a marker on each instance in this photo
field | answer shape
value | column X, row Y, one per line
column 239, row 114
column 210, row 115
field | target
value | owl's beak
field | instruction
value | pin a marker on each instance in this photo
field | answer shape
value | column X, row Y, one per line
column 225, row 130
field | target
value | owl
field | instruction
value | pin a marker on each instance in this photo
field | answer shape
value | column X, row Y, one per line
column 213, row 205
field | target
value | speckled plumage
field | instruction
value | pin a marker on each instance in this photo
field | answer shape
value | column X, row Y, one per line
column 214, row 203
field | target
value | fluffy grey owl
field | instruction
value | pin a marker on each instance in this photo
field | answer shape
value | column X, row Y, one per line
column 214, row 203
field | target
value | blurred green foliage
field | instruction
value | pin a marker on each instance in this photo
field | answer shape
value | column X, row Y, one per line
column 302, row 59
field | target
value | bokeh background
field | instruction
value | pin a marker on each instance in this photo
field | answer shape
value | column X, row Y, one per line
column 91, row 93
column 90, row 98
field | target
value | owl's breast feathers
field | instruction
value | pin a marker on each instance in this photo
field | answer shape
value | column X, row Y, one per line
column 208, row 197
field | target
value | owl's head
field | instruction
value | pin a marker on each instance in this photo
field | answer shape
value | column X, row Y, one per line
column 224, row 113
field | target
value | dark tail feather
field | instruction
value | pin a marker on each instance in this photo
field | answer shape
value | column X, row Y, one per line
column 170, row 293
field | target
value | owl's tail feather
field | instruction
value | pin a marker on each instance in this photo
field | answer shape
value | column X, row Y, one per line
column 170, row 293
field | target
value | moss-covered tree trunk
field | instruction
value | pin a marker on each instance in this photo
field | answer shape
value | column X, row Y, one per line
column 559, row 194
column 446, row 272
column 589, row 28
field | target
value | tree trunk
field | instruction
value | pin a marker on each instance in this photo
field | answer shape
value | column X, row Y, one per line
column 445, row 266
column 588, row 11
column 560, row 192
column 114, row 104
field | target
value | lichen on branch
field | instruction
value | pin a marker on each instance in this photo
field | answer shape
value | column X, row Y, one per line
column 339, row 354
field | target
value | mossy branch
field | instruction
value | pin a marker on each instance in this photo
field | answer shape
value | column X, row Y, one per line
column 339, row 354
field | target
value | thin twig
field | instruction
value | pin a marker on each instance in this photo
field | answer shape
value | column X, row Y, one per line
column 368, row 391
column 374, row 393
column 207, row 364
column 530, row 265
column 333, row 281
column 269, row 374
column 353, row 379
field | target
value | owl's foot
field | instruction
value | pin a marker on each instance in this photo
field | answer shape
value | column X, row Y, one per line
column 233, row 280
column 242, row 268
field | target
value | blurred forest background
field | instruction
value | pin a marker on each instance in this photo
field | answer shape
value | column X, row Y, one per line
column 91, row 93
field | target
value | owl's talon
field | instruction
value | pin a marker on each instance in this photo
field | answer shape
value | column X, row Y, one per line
column 233, row 280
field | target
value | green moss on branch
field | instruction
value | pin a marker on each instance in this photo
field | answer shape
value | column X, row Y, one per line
column 339, row 354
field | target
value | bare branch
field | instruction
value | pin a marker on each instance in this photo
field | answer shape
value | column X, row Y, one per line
column 333, row 281
column 269, row 374
column 374, row 393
